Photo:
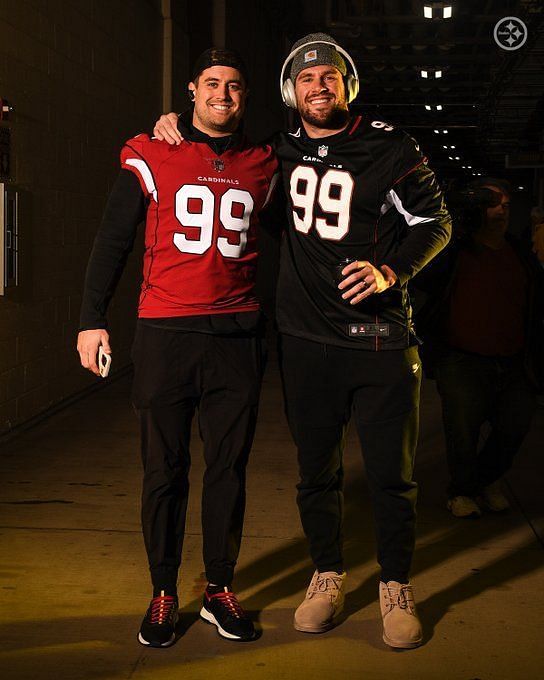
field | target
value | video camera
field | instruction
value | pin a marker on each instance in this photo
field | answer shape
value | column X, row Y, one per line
column 467, row 206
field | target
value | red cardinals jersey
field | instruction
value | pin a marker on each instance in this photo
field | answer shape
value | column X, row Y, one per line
column 200, row 236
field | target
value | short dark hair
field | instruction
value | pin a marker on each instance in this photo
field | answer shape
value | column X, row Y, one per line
column 501, row 184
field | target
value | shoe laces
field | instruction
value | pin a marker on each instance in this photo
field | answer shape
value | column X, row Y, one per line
column 326, row 585
column 402, row 597
column 162, row 609
column 229, row 600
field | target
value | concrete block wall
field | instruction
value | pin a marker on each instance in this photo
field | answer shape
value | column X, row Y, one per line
column 83, row 76
column 264, row 49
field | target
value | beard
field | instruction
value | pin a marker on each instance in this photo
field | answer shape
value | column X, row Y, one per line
column 497, row 223
column 333, row 119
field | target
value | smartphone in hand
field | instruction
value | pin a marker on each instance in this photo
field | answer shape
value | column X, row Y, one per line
column 104, row 362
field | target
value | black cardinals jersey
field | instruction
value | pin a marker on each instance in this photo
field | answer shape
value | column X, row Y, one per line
column 365, row 193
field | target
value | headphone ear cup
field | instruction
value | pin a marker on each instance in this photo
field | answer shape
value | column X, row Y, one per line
column 288, row 93
column 352, row 87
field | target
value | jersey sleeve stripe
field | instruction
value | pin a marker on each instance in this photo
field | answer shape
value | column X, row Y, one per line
column 394, row 198
column 145, row 173
column 271, row 188
column 409, row 172
column 355, row 125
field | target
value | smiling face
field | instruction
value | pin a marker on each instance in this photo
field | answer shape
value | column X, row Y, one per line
column 321, row 97
column 220, row 99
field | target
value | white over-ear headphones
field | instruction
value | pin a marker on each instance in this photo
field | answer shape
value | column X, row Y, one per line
column 287, row 87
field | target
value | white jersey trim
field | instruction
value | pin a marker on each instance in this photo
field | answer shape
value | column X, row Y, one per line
column 393, row 198
column 271, row 188
column 145, row 173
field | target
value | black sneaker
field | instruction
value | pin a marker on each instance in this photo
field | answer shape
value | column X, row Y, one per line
column 224, row 611
column 158, row 626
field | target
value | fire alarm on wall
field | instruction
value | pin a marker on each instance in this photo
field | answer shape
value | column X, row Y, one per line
column 5, row 109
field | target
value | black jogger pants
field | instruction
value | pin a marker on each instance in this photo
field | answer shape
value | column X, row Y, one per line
column 324, row 386
column 175, row 374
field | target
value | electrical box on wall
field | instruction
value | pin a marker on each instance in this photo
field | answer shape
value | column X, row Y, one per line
column 5, row 154
column 9, row 207
column 9, row 237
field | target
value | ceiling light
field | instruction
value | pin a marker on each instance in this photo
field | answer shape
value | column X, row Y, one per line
column 439, row 107
column 469, row 167
column 433, row 73
column 437, row 10
column 427, row 107
column 457, row 158
column 444, row 146
column 450, row 157
column 521, row 188
column 445, row 132
column 436, row 132
column 452, row 146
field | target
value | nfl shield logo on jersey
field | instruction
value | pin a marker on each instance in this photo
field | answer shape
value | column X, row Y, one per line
column 322, row 151
column 218, row 165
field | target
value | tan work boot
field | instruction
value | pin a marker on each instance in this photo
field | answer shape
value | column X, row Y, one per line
column 464, row 506
column 494, row 498
column 401, row 626
column 323, row 603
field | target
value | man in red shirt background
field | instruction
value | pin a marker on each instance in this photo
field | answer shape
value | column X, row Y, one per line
column 486, row 335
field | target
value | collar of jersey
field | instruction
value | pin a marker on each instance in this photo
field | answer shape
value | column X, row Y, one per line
column 330, row 139
column 192, row 134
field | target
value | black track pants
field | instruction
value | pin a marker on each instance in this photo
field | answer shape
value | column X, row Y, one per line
column 175, row 374
column 324, row 386
column 475, row 390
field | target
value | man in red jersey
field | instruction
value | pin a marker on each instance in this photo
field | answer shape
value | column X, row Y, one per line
column 198, row 341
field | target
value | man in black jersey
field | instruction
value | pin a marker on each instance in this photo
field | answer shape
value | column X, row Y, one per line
column 365, row 215
column 199, row 344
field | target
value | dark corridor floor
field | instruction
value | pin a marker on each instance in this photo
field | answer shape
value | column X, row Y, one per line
column 74, row 582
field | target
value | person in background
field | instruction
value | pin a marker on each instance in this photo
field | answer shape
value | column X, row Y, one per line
column 485, row 331
column 537, row 233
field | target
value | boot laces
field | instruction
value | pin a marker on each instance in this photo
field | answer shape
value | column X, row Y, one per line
column 400, row 597
column 162, row 609
column 229, row 600
column 327, row 585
